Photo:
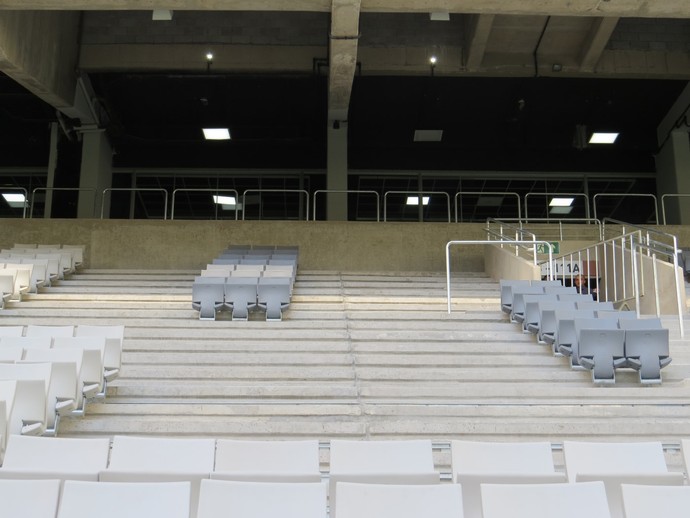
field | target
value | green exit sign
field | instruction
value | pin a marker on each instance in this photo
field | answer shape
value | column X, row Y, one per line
column 543, row 249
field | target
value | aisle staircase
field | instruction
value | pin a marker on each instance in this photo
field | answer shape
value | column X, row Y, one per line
column 358, row 355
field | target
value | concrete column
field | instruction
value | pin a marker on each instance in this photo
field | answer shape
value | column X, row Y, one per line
column 52, row 166
column 96, row 174
column 336, row 175
column 673, row 177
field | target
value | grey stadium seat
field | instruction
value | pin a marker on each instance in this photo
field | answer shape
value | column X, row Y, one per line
column 240, row 296
column 207, row 296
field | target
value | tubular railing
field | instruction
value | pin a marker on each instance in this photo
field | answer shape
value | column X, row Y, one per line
column 551, row 221
column 216, row 191
column 164, row 192
column 458, row 196
column 261, row 191
column 518, row 238
column 59, row 189
column 663, row 204
column 347, row 191
column 418, row 194
column 557, row 194
column 516, row 242
column 626, row 195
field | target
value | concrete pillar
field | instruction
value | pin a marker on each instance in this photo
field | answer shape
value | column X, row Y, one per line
column 52, row 166
column 96, row 174
column 673, row 177
column 336, row 174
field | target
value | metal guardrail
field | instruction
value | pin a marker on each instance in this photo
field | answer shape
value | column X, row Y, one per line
column 136, row 190
column 523, row 222
column 347, row 191
column 216, row 191
column 519, row 234
column 261, row 191
column 418, row 194
column 516, row 242
column 626, row 195
column 558, row 194
column 458, row 196
column 58, row 189
column 663, row 205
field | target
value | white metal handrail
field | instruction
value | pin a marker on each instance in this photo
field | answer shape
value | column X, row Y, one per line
column 231, row 191
column 486, row 193
column 663, row 205
column 519, row 234
column 260, row 191
column 346, row 191
column 59, row 189
column 627, row 195
column 523, row 222
column 516, row 242
column 164, row 192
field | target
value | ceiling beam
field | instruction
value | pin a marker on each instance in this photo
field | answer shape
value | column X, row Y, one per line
column 627, row 8
column 342, row 58
column 595, row 43
column 477, row 29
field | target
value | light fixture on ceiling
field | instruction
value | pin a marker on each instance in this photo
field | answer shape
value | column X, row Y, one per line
column 414, row 200
column 433, row 60
column 490, row 201
column 603, row 137
column 560, row 210
column 216, row 133
column 14, row 200
column 227, row 202
column 162, row 15
column 428, row 135
column 561, row 202
column 439, row 16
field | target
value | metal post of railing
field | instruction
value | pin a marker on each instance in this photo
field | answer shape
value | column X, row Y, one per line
column 347, row 191
column 133, row 190
column 52, row 189
column 492, row 242
column 260, row 191
column 232, row 191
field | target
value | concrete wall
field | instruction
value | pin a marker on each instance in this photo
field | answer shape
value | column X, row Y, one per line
column 502, row 263
column 343, row 246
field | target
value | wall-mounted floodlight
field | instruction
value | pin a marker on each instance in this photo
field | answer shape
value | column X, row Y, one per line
column 14, row 200
column 216, row 133
column 414, row 200
column 603, row 138
column 561, row 202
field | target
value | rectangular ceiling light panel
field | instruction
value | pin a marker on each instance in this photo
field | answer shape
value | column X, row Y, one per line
column 414, row 200
column 561, row 202
column 216, row 133
column 428, row 135
column 603, row 138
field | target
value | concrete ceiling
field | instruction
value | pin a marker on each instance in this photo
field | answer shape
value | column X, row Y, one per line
column 345, row 42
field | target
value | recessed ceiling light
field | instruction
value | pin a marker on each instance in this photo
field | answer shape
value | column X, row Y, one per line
column 162, row 15
column 224, row 200
column 216, row 133
column 603, row 138
column 428, row 135
column 490, row 201
column 414, row 200
column 561, row 202
column 561, row 210
column 439, row 16
column 14, row 200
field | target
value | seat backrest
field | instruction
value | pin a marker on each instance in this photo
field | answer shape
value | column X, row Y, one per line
column 507, row 289
column 401, row 456
column 613, row 457
column 642, row 501
column 29, row 498
column 225, row 499
column 397, row 501
column 545, row 500
column 11, row 331
column 159, row 454
column 122, row 499
column 501, row 457
column 640, row 323
column 595, row 305
column 280, row 458
column 51, row 331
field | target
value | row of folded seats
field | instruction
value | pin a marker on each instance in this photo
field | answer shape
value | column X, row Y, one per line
column 209, row 478
column 25, row 268
column 592, row 334
column 245, row 278
column 49, row 372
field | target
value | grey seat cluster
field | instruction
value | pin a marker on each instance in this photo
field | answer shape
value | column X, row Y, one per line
column 243, row 278
column 592, row 334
